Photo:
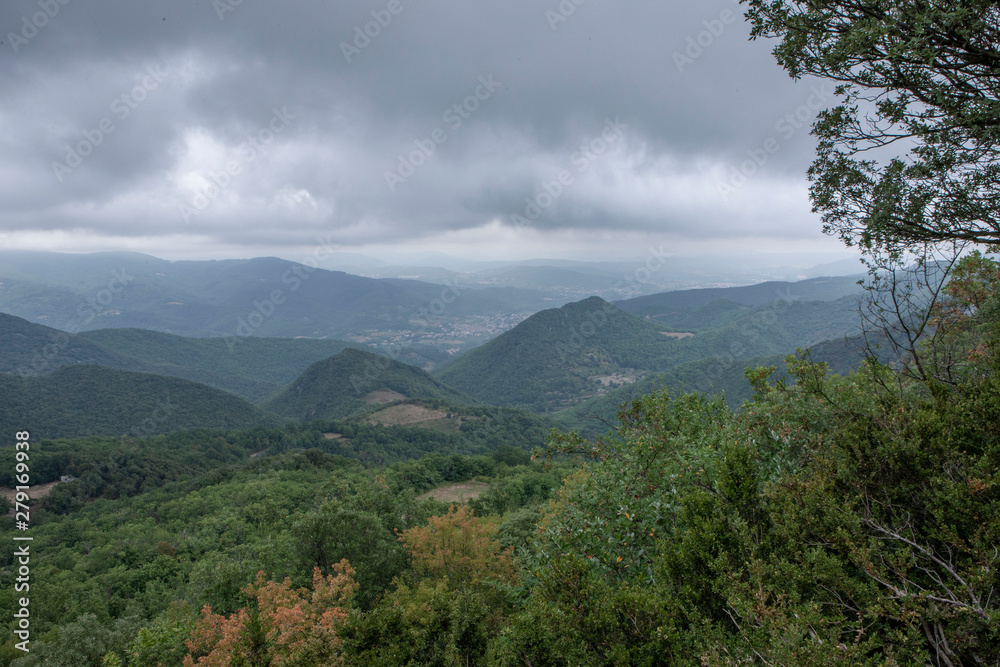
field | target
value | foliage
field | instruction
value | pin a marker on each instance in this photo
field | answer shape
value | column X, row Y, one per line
column 336, row 387
column 833, row 520
column 459, row 548
column 82, row 643
column 921, row 76
column 93, row 400
column 281, row 626
column 450, row 613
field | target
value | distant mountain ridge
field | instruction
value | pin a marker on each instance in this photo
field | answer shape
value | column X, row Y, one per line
column 264, row 296
column 812, row 289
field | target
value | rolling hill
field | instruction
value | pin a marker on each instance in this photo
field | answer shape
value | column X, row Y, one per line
column 561, row 356
column 557, row 356
column 353, row 382
column 32, row 349
column 712, row 376
column 85, row 400
column 251, row 367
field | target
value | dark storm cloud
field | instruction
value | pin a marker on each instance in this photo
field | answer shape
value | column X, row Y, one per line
column 397, row 120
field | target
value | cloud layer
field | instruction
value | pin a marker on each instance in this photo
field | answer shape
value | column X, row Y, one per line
column 239, row 128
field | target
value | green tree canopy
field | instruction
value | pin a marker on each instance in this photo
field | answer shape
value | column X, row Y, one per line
column 911, row 155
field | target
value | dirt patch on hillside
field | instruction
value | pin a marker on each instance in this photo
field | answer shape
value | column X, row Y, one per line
column 36, row 492
column 678, row 334
column 399, row 415
column 462, row 492
column 333, row 436
column 384, row 397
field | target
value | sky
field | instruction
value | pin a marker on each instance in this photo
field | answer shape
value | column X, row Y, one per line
column 575, row 129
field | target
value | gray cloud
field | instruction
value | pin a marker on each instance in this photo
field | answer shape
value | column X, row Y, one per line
column 165, row 100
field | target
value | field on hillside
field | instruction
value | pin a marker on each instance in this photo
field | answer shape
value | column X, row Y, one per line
column 461, row 492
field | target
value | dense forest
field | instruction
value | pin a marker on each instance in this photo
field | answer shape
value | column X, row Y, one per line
column 830, row 519
column 95, row 400
column 558, row 357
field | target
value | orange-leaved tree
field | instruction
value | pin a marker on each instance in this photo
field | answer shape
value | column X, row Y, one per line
column 281, row 625
column 459, row 547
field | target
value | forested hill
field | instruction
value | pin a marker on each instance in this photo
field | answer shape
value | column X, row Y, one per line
column 556, row 355
column 94, row 400
column 559, row 357
column 352, row 381
column 27, row 348
column 251, row 367
column 712, row 376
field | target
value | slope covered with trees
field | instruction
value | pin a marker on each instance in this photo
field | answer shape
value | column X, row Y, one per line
column 94, row 400
column 553, row 357
column 338, row 387
column 558, row 357
column 251, row 366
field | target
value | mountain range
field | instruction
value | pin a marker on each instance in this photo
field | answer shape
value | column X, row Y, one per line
column 570, row 362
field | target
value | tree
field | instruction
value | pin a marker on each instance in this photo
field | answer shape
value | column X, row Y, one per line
column 915, row 76
column 331, row 534
column 458, row 547
column 281, row 625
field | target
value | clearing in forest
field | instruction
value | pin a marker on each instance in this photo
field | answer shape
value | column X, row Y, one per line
column 462, row 492
column 384, row 397
column 400, row 415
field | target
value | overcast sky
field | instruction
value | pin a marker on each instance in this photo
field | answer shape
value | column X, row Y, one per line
column 493, row 129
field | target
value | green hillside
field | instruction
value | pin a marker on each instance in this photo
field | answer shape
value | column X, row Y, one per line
column 711, row 376
column 557, row 356
column 252, row 367
column 32, row 349
column 92, row 400
column 339, row 386
column 775, row 328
